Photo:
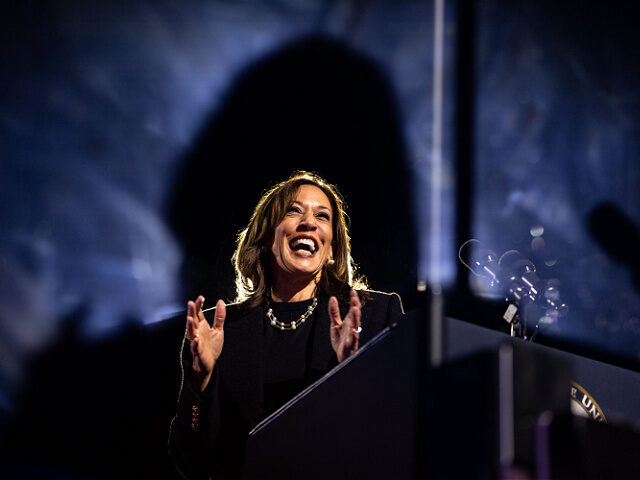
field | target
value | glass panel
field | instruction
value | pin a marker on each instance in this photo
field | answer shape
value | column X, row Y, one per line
column 556, row 160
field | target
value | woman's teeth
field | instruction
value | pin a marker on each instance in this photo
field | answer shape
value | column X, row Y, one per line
column 303, row 243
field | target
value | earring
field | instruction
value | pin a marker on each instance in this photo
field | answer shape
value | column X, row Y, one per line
column 331, row 261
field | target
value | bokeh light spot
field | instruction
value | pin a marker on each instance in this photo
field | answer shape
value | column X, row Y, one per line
column 536, row 231
column 537, row 244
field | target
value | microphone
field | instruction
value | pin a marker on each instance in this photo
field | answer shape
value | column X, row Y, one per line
column 480, row 260
column 516, row 278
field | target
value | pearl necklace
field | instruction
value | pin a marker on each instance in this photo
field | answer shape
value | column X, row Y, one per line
column 296, row 323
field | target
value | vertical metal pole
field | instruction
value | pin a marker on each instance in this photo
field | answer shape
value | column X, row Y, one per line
column 429, row 332
column 506, row 413
column 435, row 227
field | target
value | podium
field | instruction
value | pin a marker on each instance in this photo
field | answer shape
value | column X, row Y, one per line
column 498, row 407
column 358, row 421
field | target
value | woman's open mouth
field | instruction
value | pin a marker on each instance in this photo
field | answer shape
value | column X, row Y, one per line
column 303, row 246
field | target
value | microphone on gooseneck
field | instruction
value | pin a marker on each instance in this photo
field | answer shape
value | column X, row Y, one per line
column 514, row 276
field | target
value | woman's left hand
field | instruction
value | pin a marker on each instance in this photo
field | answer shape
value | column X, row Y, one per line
column 345, row 334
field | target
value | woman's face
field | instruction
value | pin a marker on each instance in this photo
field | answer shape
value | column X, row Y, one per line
column 302, row 240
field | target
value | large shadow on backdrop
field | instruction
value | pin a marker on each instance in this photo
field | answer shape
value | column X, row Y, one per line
column 314, row 105
column 102, row 409
column 618, row 236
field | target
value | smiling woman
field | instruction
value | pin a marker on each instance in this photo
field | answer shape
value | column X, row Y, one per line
column 299, row 311
column 301, row 245
column 303, row 207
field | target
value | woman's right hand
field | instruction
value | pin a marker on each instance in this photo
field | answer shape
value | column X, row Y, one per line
column 206, row 341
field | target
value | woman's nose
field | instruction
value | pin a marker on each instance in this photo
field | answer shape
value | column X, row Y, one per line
column 308, row 222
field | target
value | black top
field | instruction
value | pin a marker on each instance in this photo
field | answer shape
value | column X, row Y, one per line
column 259, row 370
column 286, row 355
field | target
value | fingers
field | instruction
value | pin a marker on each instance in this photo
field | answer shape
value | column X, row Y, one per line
column 354, row 309
column 357, row 313
column 334, row 312
column 192, row 325
column 220, row 315
column 345, row 334
column 194, row 317
column 352, row 322
column 199, row 305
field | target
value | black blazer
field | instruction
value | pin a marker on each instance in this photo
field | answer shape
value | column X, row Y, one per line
column 208, row 433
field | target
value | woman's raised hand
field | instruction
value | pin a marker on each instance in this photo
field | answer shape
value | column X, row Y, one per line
column 206, row 341
column 345, row 334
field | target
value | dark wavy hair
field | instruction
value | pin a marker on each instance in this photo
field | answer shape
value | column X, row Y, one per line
column 251, row 261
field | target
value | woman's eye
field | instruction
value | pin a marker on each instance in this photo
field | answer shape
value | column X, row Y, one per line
column 293, row 209
column 324, row 216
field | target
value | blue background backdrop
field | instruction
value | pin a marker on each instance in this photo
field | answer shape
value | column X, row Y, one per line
column 136, row 138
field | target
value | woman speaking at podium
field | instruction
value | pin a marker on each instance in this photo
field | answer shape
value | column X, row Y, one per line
column 299, row 312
